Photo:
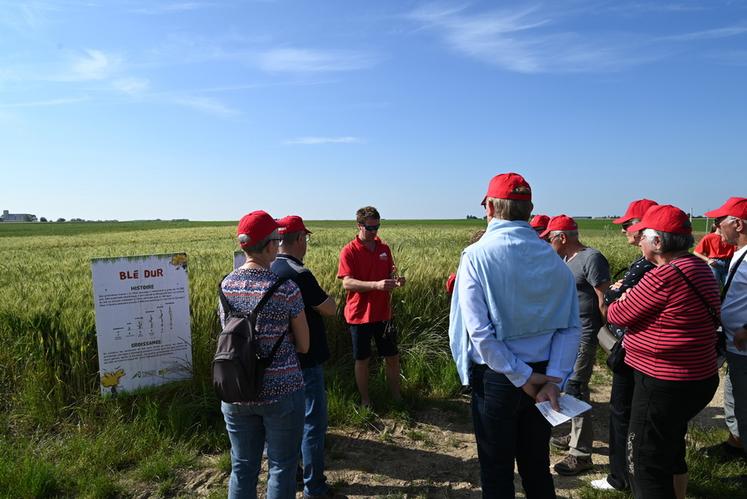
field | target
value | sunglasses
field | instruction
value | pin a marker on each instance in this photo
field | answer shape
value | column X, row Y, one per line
column 370, row 228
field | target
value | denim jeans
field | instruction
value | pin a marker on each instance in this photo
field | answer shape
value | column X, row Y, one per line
column 314, row 432
column 509, row 427
column 738, row 378
column 248, row 427
column 720, row 269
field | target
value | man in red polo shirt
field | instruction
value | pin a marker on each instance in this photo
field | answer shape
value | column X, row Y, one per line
column 368, row 275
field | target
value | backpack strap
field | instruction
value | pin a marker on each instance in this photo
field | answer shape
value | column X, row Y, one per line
column 253, row 316
column 711, row 311
column 227, row 308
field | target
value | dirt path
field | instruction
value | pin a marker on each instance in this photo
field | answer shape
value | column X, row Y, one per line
column 434, row 453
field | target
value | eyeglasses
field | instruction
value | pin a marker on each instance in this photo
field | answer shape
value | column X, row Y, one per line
column 370, row 228
column 625, row 226
column 308, row 237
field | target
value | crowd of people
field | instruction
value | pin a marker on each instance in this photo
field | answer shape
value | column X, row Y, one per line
column 528, row 301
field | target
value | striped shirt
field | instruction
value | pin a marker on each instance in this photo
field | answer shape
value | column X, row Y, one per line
column 671, row 336
column 243, row 289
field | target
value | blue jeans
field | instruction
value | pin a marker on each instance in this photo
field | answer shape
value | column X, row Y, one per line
column 720, row 269
column 314, row 432
column 509, row 427
column 248, row 426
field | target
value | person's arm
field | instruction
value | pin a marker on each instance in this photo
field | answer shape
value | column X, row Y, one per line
column 480, row 329
column 640, row 304
column 351, row 284
column 300, row 329
column 328, row 307
column 600, row 290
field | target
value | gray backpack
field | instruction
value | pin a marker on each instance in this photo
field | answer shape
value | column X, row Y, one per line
column 238, row 368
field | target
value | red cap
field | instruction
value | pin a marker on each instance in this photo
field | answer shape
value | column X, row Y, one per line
column 561, row 222
column 733, row 207
column 508, row 186
column 636, row 209
column 450, row 283
column 539, row 222
column 292, row 223
column 664, row 218
column 255, row 226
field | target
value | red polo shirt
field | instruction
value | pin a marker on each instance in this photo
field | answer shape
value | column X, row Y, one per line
column 713, row 246
column 358, row 262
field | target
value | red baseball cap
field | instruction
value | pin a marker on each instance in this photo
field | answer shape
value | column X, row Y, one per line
column 664, row 218
column 539, row 221
column 561, row 222
column 255, row 226
column 508, row 186
column 292, row 223
column 636, row 209
column 734, row 207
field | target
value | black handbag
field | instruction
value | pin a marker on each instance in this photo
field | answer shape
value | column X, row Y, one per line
column 616, row 358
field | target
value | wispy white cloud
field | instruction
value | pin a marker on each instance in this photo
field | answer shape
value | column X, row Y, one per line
column 312, row 141
column 525, row 40
column 45, row 103
column 708, row 34
column 302, row 60
column 131, row 86
column 206, row 105
column 94, row 64
column 533, row 39
column 171, row 8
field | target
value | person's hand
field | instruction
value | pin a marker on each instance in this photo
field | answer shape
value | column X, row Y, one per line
column 386, row 284
column 536, row 382
column 740, row 339
column 400, row 281
column 617, row 285
column 711, row 262
column 624, row 295
column 549, row 392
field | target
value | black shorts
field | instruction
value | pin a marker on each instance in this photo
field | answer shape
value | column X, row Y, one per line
column 386, row 344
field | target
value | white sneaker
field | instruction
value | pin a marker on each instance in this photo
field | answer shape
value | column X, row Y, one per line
column 601, row 484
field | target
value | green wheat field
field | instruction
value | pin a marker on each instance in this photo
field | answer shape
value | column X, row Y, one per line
column 59, row 438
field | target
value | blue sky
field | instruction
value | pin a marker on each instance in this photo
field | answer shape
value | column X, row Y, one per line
column 210, row 109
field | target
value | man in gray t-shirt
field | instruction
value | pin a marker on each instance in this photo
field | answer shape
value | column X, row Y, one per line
column 592, row 273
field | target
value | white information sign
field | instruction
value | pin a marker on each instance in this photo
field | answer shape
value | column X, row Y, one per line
column 142, row 321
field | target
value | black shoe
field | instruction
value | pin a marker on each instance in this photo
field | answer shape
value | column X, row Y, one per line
column 330, row 494
column 725, row 452
column 573, row 465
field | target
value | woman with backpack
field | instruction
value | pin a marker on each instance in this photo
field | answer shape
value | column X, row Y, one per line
column 276, row 415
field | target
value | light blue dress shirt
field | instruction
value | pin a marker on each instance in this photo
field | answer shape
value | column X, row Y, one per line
column 514, row 302
column 734, row 307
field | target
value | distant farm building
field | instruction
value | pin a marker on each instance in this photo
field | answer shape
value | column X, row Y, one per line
column 17, row 217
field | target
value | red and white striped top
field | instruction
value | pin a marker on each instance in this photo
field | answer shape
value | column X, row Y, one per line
column 671, row 336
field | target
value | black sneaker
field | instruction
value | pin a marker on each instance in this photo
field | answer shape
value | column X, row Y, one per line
column 725, row 452
column 573, row 465
column 561, row 443
column 330, row 494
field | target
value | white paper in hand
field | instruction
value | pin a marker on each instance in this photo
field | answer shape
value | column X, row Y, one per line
column 569, row 407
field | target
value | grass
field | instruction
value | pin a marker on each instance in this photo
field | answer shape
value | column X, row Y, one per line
column 59, row 438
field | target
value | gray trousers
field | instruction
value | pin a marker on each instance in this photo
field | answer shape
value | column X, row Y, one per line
column 738, row 375
column 582, row 433
column 731, row 418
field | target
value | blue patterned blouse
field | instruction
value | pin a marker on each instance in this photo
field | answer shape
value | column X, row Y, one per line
column 243, row 289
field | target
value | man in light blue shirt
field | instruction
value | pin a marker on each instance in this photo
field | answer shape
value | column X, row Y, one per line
column 514, row 332
column 731, row 218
